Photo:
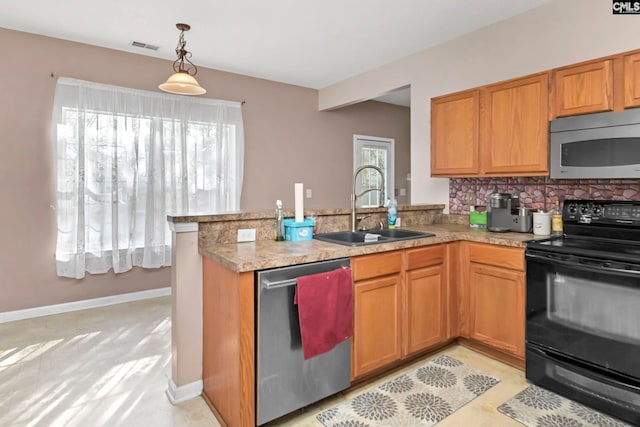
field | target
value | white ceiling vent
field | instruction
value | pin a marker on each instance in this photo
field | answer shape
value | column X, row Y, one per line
column 144, row 45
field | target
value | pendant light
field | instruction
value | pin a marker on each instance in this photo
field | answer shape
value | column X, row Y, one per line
column 182, row 81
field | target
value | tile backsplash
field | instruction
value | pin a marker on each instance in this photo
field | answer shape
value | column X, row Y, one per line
column 538, row 192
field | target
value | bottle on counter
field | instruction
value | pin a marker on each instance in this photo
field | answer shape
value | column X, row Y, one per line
column 279, row 221
column 392, row 213
column 556, row 220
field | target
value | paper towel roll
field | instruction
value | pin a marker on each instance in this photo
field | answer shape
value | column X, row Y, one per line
column 299, row 205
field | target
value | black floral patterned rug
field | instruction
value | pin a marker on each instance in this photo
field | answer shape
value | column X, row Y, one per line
column 536, row 406
column 422, row 397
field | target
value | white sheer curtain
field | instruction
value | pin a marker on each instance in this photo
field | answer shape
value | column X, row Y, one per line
column 124, row 158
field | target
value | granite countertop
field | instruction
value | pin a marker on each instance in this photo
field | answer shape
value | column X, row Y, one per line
column 264, row 254
column 288, row 213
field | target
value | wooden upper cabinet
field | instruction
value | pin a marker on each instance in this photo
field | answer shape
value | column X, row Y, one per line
column 454, row 134
column 632, row 80
column 502, row 129
column 582, row 89
column 514, row 127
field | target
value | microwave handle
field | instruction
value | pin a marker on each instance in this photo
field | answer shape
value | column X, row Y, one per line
column 588, row 264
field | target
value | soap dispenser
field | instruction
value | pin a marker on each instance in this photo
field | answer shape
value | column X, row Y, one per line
column 279, row 222
column 392, row 213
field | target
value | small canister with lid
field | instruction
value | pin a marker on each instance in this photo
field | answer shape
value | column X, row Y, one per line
column 542, row 223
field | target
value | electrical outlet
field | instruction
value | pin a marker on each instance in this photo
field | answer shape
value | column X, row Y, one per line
column 247, row 235
column 309, row 193
column 467, row 198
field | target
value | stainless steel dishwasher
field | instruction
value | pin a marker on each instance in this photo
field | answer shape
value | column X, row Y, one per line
column 285, row 381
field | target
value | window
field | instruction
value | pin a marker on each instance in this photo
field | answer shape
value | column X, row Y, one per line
column 126, row 158
column 370, row 150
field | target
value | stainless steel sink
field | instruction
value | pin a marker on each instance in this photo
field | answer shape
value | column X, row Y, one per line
column 357, row 238
column 401, row 234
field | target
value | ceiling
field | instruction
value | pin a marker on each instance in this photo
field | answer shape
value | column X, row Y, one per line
column 310, row 43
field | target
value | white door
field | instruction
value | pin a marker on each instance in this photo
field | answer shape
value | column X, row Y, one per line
column 376, row 151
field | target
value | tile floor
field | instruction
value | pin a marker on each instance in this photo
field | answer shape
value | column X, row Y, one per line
column 110, row 366
column 480, row 412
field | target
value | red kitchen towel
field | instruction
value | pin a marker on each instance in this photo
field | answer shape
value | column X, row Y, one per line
column 325, row 309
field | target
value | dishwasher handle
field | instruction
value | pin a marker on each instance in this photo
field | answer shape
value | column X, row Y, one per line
column 287, row 276
column 268, row 284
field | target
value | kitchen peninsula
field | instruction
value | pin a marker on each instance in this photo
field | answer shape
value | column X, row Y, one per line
column 457, row 263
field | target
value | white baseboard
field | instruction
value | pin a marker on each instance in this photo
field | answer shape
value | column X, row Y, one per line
column 177, row 394
column 9, row 316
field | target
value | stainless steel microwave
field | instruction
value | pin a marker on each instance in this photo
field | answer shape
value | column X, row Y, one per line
column 600, row 145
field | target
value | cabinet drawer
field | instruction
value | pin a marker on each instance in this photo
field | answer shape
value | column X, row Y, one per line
column 497, row 255
column 424, row 257
column 376, row 265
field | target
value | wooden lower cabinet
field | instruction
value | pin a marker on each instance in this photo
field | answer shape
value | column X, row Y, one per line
column 494, row 297
column 228, row 329
column 376, row 335
column 496, row 307
column 400, row 306
column 405, row 302
column 425, row 320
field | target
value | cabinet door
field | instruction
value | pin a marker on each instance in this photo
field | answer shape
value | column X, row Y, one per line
column 426, row 308
column 496, row 307
column 454, row 134
column 376, row 323
column 582, row 89
column 514, row 128
column 453, row 265
column 632, row 80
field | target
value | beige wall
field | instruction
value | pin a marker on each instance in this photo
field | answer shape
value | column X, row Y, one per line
column 298, row 143
column 287, row 140
column 560, row 33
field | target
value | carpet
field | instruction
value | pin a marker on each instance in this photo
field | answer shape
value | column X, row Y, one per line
column 421, row 397
column 536, row 406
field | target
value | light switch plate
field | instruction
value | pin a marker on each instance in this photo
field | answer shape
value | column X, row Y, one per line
column 247, row 235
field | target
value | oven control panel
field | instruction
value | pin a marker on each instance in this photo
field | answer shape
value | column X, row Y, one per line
column 604, row 212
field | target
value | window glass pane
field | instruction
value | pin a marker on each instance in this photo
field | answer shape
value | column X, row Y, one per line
column 371, row 179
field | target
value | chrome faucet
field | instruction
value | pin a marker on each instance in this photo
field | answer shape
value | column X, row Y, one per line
column 354, row 196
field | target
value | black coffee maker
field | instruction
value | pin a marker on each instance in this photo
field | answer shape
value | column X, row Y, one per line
column 505, row 214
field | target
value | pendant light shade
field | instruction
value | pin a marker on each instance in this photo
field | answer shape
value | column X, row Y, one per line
column 183, row 82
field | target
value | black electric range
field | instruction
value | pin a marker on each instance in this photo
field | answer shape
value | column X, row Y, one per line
column 583, row 307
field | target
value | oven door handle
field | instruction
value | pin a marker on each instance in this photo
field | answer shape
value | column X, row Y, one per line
column 589, row 264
